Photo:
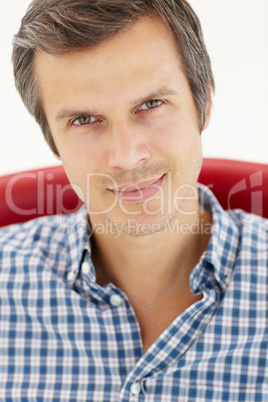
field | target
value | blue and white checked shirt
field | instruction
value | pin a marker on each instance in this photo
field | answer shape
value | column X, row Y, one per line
column 65, row 338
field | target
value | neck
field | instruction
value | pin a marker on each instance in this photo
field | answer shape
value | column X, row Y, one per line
column 158, row 259
column 153, row 271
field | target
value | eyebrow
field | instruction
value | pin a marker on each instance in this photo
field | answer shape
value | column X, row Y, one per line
column 67, row 113
column 159, row 93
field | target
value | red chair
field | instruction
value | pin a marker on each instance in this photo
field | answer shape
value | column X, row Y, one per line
column 47, row 191
column 237, row 184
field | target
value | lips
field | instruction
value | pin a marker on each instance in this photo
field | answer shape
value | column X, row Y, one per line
column 140, row 191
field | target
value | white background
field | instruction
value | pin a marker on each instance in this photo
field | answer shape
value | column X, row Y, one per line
column 236, row 34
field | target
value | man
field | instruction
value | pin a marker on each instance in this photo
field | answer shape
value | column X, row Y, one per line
column 151, row 292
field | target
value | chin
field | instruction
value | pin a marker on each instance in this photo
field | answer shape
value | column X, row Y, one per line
column 143, row 225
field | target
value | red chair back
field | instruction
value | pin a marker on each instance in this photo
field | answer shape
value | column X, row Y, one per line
column 237, row 184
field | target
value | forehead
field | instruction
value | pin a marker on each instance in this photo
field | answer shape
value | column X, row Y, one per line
column 141, row 56
column 145, row 34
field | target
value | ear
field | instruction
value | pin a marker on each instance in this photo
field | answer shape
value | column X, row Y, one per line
column 208, row 113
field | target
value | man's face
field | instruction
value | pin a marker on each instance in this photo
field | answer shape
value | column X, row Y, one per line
column 125, row 124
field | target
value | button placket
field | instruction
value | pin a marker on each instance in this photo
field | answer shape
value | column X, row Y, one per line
column 85, row 268
column 227, row 280
column 72, row 275
column 88, row 274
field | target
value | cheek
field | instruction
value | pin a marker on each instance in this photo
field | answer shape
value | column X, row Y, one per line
column 181, row 143
column 80, row 157
column 79, row 163
column 178, row 138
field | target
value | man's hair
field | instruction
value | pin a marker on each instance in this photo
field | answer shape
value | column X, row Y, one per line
column 61, row 26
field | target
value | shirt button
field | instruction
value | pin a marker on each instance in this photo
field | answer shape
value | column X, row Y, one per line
column 135, row 388
column 228, row 280
column 115, row 300
column 71, row 276
column 86, row 268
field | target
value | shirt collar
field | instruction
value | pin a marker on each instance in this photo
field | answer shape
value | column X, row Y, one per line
column 221, row 253
column 77, row 242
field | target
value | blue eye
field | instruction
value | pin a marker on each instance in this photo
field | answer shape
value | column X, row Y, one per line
column 84, row 120
column 151, row 104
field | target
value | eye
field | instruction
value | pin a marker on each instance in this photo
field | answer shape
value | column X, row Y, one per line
column 151, row 104
column 84, row 120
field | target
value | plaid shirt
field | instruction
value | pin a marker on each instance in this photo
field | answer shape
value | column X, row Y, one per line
column 65, row 338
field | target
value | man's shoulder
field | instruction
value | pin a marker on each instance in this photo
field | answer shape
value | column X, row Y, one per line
column 249, row 223
column 40, row 238
column 253, row 233
column 233, row 228
column 23, row 235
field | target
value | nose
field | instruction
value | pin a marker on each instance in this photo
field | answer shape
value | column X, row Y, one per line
column 127, row 148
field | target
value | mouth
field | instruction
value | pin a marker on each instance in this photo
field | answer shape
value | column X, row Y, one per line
column 140, row 191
